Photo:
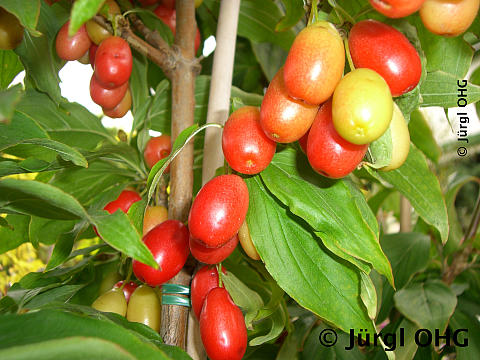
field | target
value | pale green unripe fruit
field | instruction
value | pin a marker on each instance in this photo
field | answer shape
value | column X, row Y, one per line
column 144, row 307
column 362, row 106
column 112, row 301
column 400, row 140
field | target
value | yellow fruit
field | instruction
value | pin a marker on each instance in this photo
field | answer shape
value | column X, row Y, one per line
column 246, row 241
column 112, row 301
column 145, row 307
column 400, row 140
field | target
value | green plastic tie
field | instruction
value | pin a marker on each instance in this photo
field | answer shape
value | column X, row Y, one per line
column 175, row 289
column 175, row 300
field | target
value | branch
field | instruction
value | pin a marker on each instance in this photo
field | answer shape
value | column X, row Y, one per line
column 175, row 318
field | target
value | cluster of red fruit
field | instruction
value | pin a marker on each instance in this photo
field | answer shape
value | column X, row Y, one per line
column 137, row 303
column 334, row 117
column 442, row 17
column 110, row 57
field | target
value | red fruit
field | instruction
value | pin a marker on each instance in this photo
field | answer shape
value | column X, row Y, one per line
column 283, row 118
column 156, row 149
column 219, row 210
column 387, row 51
column 91, row 54
column 168, row 243
column 222, row 327
column 303, row 141
column 123, row 202
column 122, row 108
column 396, row 8
column 128, row 289
column 72, row 47
column 315, row 63
column 169, row 4
column 169, row 17
column 113, row 62
column 209, row 255
column 328, row 153
column 204, row 280
column 245, row 146
column 108, row 98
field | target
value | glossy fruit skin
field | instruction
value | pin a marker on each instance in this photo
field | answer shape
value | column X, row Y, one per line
column 108, row 98
column 303, row 141
column 362, row 106
column 387, row 51
column 128, row 289
column 400, row 140
column 245, row 146
column 154, row 215
column 168, row 243
column 157, row 148
column 91, row 54
column 219, row 210
column 145, row 307
column 396, row 8
column 123, row 202
column 96, row 32
column 246, row 242
column 112, row 7
column 169, row 17
column 315, row 63
column 72, row 47
column 448, row 18
column 204, row 280
column 112, row 301
column 328, row 153
column 113, row 62
column 122, row 108
column 11, row 31
column 210, row 255
column 283, row 118
column 222, row 327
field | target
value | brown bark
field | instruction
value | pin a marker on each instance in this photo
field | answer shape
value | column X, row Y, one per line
column 175, row 318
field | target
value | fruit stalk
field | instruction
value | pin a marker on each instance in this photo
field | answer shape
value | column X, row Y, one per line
column 175, row 318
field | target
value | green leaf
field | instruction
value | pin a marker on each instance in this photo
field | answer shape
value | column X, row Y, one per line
column 45, row 325
column 247, row 73
column 27, row 12
column 329, row 209
column 117, row 230
column 153, row 22
column 138, row 81
column 452, row 55
column 36, row 55
column 408, row 254
column 20, row 128
column 136, row 213
column 293, row 13
column 63, row 248
column 270, row 56
column 47, row 231
column 316, row 279
column 421, row 187
column 8, row 100
column 463, row 320
column 61, row 294
column 15, row 234
column 275, row 324
column 74, row 347
column 257, row 21
column 35, row 198
column 249, row 301
column 406, row 352
column 82, row 11
column 314, row 350
column 296, row 336
column 441, row 89
column 422, row 137
column 10, row 65
column 429, row 304
column 86, row 183
column 368, row 295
